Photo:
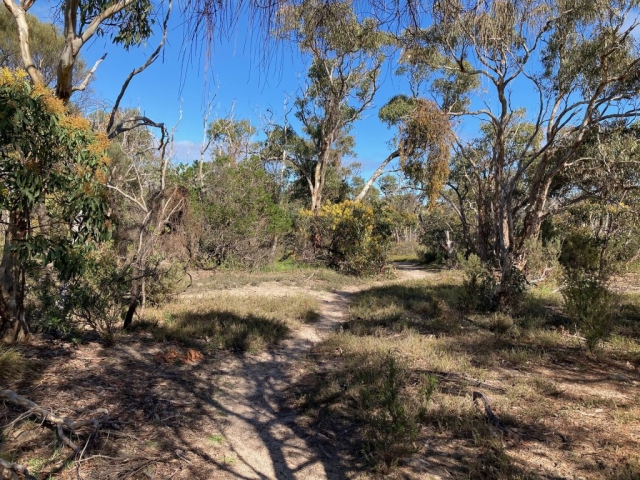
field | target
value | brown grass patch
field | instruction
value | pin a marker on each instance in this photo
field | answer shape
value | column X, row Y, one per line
column 230, row 322
column 563, row 410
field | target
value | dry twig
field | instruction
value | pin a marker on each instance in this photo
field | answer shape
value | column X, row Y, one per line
column 487, row 408
column 17, row 468
column 61, row 424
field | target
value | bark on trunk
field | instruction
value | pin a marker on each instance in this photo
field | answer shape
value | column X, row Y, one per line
column 12, row 279
column 20, row 16
column 379, row 171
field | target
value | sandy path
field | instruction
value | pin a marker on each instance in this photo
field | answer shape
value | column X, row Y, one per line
column 263, row 434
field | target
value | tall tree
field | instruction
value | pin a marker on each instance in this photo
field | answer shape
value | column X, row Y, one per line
column 346, row 58
column 578, row 60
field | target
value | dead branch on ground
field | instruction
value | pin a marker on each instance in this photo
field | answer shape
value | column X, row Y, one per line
column 16, row 468
column 487, row 408
column 61, row 424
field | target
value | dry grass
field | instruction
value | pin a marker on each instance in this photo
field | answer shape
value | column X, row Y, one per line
column 564, row 412
column 230, row 322
column 13, row 366
column 286, row 274
column 404, row 252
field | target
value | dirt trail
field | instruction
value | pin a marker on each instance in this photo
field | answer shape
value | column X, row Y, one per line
column 264, row 435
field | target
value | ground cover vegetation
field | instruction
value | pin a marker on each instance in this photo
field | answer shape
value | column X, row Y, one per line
column 468, row 310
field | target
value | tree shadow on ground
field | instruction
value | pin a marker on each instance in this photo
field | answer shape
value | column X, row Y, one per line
column 534, row 365
column 222, row 417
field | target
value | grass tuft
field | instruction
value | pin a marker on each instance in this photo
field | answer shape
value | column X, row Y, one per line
column 231, row 322
column 13, row 366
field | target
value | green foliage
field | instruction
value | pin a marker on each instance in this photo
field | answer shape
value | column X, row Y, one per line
column 129, row 27
column 236, row 217
column 51, row 159
column 47, row 307
column 587, row 300
column 542, row 259
column 53, row 170
column 98, row 298
column 580, row 255
column 230, row 137
column 397, row 109
column 435, row 224
column 478, row 283
column 391, row 415
column 46, row 43
column 349, row 236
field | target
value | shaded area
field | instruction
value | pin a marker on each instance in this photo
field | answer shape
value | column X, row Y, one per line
column 218, row 330
column 210, row 419
column 565, row 412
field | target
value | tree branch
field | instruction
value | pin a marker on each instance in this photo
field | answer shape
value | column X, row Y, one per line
column 61, row 423
column 85, row 82
column 152, row 58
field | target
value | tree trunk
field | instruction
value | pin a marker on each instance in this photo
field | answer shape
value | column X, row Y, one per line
column 316, row 198
column 379, row 171
column 12, row 279
column 20, row 16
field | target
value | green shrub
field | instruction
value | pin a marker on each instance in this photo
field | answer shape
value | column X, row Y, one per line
column 391, row 414
column 588, row 302
column 542, row 259
column 350, row 236
column 98, row 298
column 478, row 283
column 501, row 323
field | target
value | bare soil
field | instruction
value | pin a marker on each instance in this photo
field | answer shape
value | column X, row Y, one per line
column 226, row 416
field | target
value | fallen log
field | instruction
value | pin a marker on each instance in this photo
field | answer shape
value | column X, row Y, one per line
column 61, row 424
column 16, row 468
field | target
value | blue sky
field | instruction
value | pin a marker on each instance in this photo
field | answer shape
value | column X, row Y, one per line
column 233, row 73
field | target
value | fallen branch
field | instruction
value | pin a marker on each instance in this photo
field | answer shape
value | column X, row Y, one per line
column 17, row 468
column 61, row 423
column 487, row 408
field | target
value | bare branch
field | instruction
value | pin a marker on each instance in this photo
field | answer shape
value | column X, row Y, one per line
column 152, row 58
column 86, row 80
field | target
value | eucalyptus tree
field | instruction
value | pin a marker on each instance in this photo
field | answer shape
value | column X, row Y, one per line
column 46, row 43
column 230, row 138
column 574, row 66
column 127, row 22
column 50, row 158
column 423, row 142
column 347, row 54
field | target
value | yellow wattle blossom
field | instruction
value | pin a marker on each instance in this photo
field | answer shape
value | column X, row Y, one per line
column 11, row 77
column 51, row 103
column 75, row 122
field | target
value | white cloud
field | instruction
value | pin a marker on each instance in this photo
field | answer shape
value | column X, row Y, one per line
column 186, row 151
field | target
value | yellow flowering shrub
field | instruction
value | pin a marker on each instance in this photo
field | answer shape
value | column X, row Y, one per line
column 350, row 236
column 50, row 158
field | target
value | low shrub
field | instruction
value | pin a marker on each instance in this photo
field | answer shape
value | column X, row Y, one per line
column 99, row 297
column 13, row 366
column 478, row 283
column 588, row 302
column 391, row 414
column 587, row 299
column 350, row 236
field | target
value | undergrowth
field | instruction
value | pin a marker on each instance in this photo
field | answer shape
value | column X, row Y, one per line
column 399, row 373
column 230, row 322
column 13, row 366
